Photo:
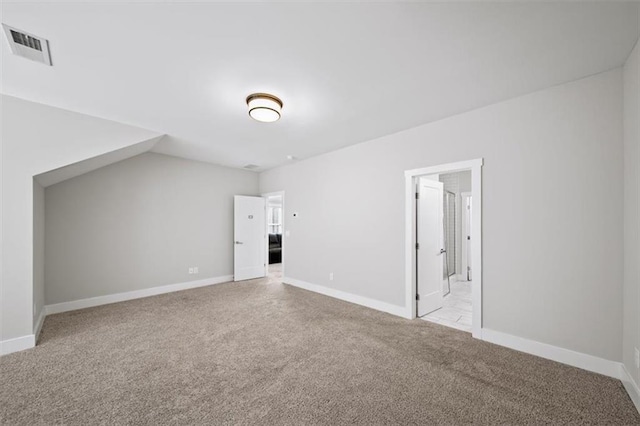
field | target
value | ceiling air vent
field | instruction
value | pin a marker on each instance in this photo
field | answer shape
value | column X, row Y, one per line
column 27, row 45
column 251, row 166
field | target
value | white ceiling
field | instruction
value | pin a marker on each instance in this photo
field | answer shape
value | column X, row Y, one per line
column 346, row 72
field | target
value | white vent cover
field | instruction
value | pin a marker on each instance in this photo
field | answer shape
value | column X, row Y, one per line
column 27, row 45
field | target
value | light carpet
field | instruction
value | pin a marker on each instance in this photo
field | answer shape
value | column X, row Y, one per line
column 260, row 352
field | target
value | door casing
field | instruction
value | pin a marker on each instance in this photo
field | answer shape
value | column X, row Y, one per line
column 266, row 195
column 475, row 166
column 466, row 261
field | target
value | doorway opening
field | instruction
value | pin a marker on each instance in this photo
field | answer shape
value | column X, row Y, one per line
column 439, row 224
column 444, row 279
column 275, row 235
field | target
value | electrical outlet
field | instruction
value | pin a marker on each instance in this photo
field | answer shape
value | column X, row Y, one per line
column 330, row 276
column 191, row 270
column 637, row 358
column 195, row 269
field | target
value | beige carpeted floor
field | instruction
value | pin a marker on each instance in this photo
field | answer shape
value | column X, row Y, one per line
column 262, row 352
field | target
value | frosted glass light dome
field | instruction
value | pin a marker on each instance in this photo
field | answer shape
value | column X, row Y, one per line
column 264, row 107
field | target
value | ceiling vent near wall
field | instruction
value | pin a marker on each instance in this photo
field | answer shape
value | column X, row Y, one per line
column 28, row 45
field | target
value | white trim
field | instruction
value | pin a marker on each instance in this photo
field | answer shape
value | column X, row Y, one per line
column 39, row 322
column 554, row 353
column 614, row 369
column 18, row 344
column 445, row 168
column 284, row 216
column 476, row 243
column 591, row 363
column 464, row 213
column 130, row 295
column 348, row 297
column 631, row 386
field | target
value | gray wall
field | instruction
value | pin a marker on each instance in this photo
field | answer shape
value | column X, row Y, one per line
column 552, row 266
column 60, row 138
column 38, row 251
column 631, row 332
column 140, row 223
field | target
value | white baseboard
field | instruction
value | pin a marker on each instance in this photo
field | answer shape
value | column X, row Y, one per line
column 591, row 363
column 630, row 385
column 400, row 311
column 554, row 353
column 130, row 295
column 38, row 325
column 18, row 344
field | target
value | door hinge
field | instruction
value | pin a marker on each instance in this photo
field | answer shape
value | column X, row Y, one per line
column 417, row 297
column 417, row 246
column 417, row 195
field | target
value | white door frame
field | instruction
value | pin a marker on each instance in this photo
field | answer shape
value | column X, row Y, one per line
column 266, row 221
column 476, row 244
column 464, row 263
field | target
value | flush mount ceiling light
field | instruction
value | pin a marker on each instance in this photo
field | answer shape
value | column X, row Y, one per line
column 264, row 107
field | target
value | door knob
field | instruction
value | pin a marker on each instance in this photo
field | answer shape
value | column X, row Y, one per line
column 442, row 251
column 238, row 242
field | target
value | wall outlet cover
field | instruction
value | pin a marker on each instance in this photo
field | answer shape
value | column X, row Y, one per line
column 195, row 269
column 191, row 270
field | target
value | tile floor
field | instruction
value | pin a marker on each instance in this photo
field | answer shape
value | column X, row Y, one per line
column 456, row 307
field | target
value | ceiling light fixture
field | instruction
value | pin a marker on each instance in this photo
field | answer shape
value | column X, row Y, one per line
column 264, row 107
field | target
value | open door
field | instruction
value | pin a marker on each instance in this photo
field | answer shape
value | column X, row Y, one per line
column 429, row 247
column 466, row 235
column 249, row 235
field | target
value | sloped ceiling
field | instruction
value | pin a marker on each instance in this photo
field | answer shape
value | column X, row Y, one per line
column 347, row 72
column 85, row 166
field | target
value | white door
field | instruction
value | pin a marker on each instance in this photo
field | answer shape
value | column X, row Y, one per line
column 469, row 236
column 429, row 249
column 249, row 234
